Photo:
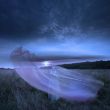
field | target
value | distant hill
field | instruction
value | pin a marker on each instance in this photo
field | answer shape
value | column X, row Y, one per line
column 89, row 65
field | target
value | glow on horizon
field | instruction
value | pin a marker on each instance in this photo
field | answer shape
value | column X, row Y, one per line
column 69, row 47
column 46, row 63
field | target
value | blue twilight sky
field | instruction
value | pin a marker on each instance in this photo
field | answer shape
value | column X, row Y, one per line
column 54, row 27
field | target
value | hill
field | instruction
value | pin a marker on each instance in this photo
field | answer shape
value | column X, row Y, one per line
column 89, row 65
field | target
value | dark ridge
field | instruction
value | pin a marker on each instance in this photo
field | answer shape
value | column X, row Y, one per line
column 89, row 65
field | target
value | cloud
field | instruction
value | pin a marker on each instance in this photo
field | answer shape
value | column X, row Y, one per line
column 34, row 19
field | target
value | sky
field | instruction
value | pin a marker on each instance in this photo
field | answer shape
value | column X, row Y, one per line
column 54, row 27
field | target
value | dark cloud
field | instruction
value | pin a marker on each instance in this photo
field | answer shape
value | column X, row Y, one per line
column 20, row 19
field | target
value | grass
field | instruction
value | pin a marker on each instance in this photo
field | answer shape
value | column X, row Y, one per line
column 16, row 94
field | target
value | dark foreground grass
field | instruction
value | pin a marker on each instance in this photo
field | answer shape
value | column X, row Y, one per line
column 16, row 94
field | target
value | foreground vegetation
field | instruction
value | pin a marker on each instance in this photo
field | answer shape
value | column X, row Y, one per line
column 16, row 94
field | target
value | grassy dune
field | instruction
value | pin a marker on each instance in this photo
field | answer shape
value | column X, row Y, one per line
column 16, row 94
